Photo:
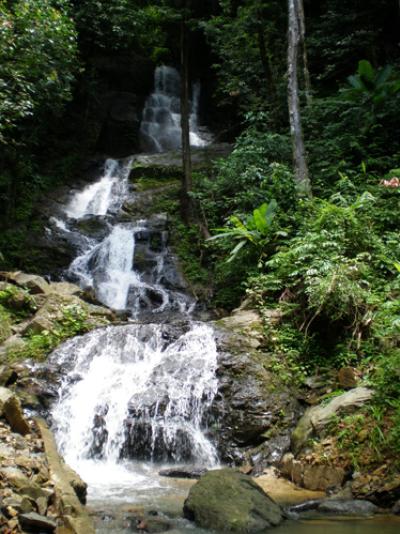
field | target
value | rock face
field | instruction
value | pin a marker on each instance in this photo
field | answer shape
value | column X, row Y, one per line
column 228, row 501
column 254, row 410
column 169, row 164
column 317, row 418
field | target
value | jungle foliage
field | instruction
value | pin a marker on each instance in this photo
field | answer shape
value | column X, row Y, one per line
column 330, row 262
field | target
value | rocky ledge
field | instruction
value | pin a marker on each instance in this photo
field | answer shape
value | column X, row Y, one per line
column 37, row 315
column 39, row 493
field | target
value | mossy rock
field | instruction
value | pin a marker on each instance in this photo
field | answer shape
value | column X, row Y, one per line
column 5, row 324
column 228, row 501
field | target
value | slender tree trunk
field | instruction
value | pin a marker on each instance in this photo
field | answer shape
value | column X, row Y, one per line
column 185, row 125
column 299, row 153
column 307, row 79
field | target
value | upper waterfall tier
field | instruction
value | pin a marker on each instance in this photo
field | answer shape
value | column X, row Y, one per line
column 129, row 265
column 161, row 122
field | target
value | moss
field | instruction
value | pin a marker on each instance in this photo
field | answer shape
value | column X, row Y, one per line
column 158, row 173
column 145, row 183
column 75, row 321
column 5, row 324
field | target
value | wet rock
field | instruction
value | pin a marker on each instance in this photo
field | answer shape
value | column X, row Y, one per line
column 10, row 407
column 348, row 508
column 192, row 472
column 228, row 501
column 93, row 226
column 254, row 411
column 37, row 522
column 78, row 485
column 396, row 508
column 149, row 524
column 305, row 506
column 316, row 419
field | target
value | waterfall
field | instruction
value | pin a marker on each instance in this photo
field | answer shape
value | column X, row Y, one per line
column 104, row 195
column 161, row 122
column 137, row 392
column 132, row 392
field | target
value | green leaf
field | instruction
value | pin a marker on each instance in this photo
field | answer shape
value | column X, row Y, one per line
column 366, row 70
column 383, row 75
column 234, row 252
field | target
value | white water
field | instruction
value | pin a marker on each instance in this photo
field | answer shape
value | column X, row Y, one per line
column 161, row 122
column 114, row 261
column 102, row 196
column 123, row 370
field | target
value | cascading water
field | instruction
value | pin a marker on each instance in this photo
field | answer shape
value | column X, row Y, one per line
column 103, row 196
column 134, row 393
column 161, row 122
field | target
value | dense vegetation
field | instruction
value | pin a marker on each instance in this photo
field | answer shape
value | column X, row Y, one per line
column 331, row 262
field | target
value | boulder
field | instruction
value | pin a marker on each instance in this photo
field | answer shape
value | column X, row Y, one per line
column 36, row 284
column 254, row 409
column 228, row 501
column 65, row 288
column 315, row 419
column 10, row 407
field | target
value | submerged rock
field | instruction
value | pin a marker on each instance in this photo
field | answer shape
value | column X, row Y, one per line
column 188, row 471
column 228, row 501
column 348, row 508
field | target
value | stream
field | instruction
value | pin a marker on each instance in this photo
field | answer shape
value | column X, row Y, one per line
column 136, row 397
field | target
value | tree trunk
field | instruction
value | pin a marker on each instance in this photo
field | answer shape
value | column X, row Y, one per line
column 186, row 204
column 299, row 155
column 307, row 79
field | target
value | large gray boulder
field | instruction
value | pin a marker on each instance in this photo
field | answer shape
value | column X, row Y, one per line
column 254, row 408
column 228, row 501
